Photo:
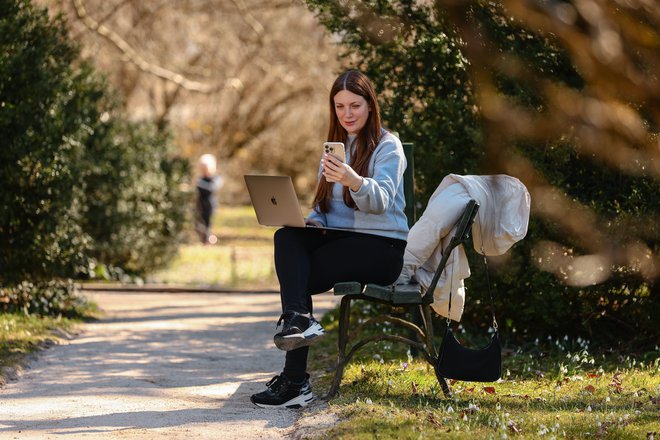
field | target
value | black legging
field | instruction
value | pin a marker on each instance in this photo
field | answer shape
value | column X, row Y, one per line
column 310, row 261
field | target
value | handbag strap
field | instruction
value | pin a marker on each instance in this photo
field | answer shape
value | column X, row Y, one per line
column 490, row 292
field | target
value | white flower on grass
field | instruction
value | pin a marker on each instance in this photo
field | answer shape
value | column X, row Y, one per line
column 589, row 408
column 368, row 401
column 450, row 409
column 543, row 430
column 473, row 407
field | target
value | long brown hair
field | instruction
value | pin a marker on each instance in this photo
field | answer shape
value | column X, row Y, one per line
column 366, row 141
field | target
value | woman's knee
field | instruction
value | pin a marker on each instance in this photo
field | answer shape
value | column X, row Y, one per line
column 282, row 235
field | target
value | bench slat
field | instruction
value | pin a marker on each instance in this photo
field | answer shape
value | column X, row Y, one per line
column 383, row 293
column 407, row 294
column 348, row 288
column 397, row 295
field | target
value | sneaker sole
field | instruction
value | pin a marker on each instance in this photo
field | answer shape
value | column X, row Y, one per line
column 291, row 342
column 297, row 402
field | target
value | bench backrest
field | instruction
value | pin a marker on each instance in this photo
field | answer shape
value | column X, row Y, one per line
column 409, row 184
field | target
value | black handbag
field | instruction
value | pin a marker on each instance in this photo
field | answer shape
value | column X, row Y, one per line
column 461, row 363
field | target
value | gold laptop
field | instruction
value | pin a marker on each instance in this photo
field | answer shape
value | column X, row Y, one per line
column 275, row 201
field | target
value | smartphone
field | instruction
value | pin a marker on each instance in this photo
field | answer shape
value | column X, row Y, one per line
column 335, row 148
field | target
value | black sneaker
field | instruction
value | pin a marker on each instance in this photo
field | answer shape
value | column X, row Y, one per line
column 298, row 331
column 282, row 393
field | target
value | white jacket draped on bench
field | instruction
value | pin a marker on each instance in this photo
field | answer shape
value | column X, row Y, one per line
column 502, row 220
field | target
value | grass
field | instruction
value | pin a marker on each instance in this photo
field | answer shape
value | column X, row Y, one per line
column 554, row 389
column 242, row 258
column 21, row 335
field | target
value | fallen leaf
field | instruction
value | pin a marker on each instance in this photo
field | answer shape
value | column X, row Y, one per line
column 616, row 383
column 489, row 390
column 593, row 375
column 434, row 421
column 513, row 427
column 590, row 389
column 470, row 390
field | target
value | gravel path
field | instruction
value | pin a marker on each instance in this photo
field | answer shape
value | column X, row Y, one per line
column 159, row 365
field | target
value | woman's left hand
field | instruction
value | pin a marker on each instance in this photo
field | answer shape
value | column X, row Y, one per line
column 335, row 170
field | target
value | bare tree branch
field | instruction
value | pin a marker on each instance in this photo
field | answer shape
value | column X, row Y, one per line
column 144, row 65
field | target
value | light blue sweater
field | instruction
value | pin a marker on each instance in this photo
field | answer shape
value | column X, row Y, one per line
column 380, row 199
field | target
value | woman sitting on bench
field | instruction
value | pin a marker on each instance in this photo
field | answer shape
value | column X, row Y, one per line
column 363, row 197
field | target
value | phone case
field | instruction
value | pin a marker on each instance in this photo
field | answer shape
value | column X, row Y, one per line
column 335, row 148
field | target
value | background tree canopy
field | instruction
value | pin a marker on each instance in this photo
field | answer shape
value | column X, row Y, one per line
column 82, row 186
column 571, row 109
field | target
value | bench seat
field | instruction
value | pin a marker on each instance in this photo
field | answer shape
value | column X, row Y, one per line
column 403, row 294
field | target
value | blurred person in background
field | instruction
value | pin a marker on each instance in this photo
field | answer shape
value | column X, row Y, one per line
column 207, row 185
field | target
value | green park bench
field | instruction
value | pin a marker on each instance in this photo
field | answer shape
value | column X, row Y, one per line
column 406, row 296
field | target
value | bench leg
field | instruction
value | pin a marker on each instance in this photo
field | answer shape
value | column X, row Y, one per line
column 342, row 341
column 425, row 310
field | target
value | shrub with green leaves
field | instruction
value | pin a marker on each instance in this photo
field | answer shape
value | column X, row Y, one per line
column 135, row 211
column 81, row 186
column 43, row 121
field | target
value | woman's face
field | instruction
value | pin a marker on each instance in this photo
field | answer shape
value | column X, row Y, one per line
column 352, row 111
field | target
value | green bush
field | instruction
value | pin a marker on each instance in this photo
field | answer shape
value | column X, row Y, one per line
column 411, row 52
column 43, row 134
column 135, row 211
column 82, row 186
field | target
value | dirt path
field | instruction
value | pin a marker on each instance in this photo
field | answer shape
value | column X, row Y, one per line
column 169, row 366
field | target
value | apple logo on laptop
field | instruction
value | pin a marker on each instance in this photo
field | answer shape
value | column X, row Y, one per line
column 273, row 200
